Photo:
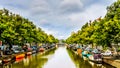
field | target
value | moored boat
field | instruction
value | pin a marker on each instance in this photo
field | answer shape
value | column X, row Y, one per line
column 33, row 52
column 41, row 49
column 28, row 53
column 97, row 58
column 85, row 55
column 6, row 60
column 19, row 56
column 18, row 60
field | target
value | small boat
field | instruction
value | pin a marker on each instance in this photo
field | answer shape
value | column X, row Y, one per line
column 85, row 55
column 41, row 49
column 6, row 60
column 19, row 56
column 84, row 58
column 19, row 60
column 28, row 53
column 97, row 58
column 33, row 52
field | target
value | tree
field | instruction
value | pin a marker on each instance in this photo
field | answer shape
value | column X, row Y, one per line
column 14, row 29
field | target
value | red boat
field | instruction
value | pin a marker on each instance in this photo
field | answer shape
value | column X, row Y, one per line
column 19, row 56
column 18, row 60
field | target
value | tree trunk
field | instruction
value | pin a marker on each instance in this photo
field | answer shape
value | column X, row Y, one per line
column 92, row 45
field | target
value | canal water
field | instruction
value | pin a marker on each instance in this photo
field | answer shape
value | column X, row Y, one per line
column 56, row 58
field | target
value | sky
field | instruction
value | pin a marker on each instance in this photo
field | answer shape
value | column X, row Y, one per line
column 58, row 17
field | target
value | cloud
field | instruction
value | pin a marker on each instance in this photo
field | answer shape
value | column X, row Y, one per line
column 39, row 7
column 49, row 31
column 61, row 25
column 91, row 13
column 43, row 21
column 69, row 6
column 55, row 33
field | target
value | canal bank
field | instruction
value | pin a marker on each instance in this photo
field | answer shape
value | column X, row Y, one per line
column 81, row 63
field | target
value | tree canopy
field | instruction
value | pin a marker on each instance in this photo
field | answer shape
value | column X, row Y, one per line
column 14, row 29
column 102, row 31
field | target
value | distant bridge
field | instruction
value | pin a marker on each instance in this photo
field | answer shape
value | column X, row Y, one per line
column 60, row 44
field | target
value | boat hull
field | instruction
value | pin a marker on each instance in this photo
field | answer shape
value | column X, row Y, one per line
column 97, row 60
column 20, row 56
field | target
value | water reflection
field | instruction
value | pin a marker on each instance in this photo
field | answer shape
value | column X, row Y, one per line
column 31, row 62
column 80, row 63
column 60, row 59
column 34, row 61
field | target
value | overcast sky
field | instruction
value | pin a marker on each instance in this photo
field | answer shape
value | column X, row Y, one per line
column 58, row 17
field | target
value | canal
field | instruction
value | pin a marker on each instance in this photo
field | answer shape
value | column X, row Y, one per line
column 56, row 58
